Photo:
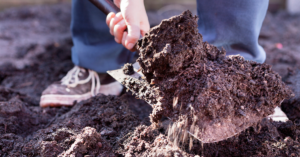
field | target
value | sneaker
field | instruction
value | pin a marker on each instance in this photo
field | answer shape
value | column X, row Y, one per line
column 79, row 84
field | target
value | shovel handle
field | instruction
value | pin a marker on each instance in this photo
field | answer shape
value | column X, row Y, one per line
column 106, row 6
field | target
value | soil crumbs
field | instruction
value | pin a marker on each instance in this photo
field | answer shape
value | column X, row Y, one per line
column 109, row 125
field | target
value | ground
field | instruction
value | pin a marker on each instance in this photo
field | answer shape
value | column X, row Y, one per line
column 35, row 51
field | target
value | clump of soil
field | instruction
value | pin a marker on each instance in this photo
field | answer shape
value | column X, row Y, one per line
column 199, row 87
column 128, row 69
column 148, row 141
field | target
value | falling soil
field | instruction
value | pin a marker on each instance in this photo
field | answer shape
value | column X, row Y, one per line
column 267, row 138
column 110, row 125
column 213, row 96
column 128, row 69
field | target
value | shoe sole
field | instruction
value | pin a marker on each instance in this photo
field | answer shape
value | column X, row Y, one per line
column 56, row 100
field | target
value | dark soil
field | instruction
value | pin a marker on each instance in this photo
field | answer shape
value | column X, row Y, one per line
column 117, row 126
column 281, row 41
column 25, row 31
column 128, row 69
column 264, row 139
column 292, row 106
column 199, row 87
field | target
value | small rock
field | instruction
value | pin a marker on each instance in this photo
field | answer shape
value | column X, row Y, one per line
column 108, row 132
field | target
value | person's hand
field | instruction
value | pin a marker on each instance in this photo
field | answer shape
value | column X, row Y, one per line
column 133, row 17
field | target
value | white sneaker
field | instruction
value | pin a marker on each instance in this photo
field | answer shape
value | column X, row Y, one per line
column 79, row 84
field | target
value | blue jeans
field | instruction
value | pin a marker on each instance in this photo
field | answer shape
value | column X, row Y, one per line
column 94, row 48
column 232, row 24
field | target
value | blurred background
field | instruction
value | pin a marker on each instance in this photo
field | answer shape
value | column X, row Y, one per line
column 275, row 5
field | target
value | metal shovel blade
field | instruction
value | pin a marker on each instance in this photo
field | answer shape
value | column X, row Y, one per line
column 206, row 131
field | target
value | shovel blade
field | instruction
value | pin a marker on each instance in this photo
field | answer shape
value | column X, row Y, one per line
column 205, row 131
column 119, row 75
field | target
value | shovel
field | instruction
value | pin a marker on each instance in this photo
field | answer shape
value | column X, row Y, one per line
column 209, row 132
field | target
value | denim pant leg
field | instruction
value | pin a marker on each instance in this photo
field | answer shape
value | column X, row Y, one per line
column 234, row 25
column 94, row 48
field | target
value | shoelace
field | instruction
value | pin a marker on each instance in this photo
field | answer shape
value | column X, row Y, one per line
column 72, row 79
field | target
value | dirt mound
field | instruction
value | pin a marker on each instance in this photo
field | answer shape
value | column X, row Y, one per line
column 199, row 87
column 95, row 127
column 67, row 133
column 148, row 141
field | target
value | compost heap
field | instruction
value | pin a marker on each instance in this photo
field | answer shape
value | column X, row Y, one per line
column 211, row 95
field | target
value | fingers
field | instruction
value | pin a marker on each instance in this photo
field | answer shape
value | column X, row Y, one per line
column 116, row 19
column 132, row 37
column 125, row 35
column 135, row 17
column 145, row 27
column 109, row 17
column 117, row 26
column 119, row 30
column 124, row 38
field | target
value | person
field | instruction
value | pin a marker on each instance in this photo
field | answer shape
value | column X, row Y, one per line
column 101, row 42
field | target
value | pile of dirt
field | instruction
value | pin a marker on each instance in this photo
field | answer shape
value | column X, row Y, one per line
column 201, row 89
column 93, row 127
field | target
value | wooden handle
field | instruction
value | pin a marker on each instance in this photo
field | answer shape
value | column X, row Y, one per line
column 106, row 6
